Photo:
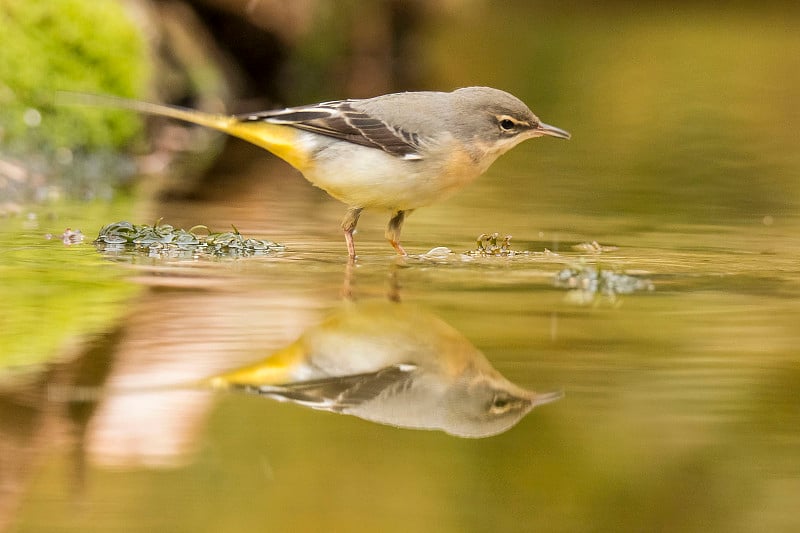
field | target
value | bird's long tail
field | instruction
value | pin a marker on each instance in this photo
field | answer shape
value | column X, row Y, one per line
column 215, row 121
column 279, row 139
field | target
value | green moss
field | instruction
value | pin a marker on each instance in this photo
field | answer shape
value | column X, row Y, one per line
column 70, row 45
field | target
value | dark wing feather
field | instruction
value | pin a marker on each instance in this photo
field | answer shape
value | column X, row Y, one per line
column 341, row 121
column 338, row 393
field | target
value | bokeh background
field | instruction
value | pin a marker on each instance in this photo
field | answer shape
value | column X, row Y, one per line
column 680, row 410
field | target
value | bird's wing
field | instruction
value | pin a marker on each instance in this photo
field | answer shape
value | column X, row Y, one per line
column 338, row 393
column 341, row 120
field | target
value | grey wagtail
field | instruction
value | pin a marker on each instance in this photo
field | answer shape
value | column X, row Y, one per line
column 397, row 151
column 393, row 364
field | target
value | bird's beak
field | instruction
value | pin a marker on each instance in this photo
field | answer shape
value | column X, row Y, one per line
column 538, row 399
column 552, row 131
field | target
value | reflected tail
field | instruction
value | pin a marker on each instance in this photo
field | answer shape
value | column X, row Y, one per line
column 93, row 394
column 280, row 367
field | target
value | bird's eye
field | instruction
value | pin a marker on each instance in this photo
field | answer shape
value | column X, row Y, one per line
column 500, row 404
column 507, row 124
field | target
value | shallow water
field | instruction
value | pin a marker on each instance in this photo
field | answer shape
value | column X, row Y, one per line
column 680, row 407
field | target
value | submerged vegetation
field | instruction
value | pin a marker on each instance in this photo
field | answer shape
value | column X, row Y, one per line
column 586, row 283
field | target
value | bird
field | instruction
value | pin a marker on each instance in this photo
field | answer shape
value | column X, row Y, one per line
column 390, row 363
column 395, row 152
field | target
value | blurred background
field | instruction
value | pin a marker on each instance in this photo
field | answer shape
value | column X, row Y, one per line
column 681, row 181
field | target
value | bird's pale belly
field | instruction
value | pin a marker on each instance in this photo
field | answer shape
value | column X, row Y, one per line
column 367, row 177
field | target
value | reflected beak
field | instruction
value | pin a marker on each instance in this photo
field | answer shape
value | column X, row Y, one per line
column 552, row 131
column 538, row 399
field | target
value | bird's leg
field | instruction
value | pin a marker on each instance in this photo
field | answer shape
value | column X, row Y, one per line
column 393, row 293
column 393, row 231
column 349, row 226
column 347, row 286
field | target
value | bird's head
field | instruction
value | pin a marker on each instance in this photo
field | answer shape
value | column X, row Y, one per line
column 497, row 121
column 487, row 405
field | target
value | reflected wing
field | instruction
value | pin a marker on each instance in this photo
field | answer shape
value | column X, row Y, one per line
column 341, row 121
column 337, row 394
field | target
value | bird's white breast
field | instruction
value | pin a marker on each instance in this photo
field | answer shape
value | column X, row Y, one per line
column 368, row 177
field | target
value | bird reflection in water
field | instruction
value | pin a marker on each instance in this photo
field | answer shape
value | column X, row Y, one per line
column 394, row 364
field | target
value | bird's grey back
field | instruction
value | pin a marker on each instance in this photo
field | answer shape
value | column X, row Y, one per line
column 464, row 110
